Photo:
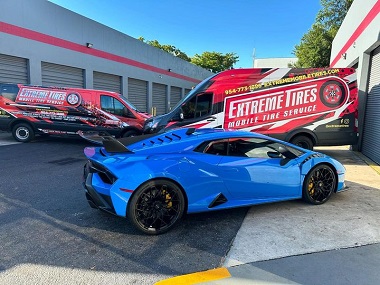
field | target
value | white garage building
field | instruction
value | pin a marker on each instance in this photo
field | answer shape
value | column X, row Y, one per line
column 42, row 43
column 357, row 44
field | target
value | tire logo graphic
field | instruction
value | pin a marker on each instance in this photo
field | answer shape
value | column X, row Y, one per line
column 332, row 93
column 73, row 99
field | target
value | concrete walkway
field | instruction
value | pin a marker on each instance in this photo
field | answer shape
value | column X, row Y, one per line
column 296, row 243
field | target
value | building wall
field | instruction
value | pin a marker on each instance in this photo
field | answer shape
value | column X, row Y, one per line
column 357, row 38
column 41, row 31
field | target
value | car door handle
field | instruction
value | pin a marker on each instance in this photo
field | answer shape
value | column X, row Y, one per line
column 211, row 119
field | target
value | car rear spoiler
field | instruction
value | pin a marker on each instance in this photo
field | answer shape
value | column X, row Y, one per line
column 111, row 144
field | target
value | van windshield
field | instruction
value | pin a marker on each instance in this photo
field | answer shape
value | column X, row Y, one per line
column 129, row 104
column 199, row 88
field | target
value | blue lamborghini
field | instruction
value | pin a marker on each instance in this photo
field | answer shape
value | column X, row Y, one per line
column 154, row 179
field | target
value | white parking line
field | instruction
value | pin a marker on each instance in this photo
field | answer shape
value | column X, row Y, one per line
column 7, row 139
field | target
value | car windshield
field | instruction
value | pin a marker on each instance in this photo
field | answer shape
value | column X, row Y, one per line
column 129, row 104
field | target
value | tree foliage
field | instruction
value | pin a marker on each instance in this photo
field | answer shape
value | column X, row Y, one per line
column 168, row 48
column 213, row 61
column 314, row 49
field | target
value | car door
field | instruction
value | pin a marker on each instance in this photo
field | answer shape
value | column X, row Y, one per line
column 254, row 168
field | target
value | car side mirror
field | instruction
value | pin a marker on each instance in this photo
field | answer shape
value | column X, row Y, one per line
column 274, row 154
column 181, row 116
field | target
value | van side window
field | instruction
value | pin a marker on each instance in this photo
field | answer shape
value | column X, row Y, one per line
column 113, row 106
column 198, row 106
column 9, row 91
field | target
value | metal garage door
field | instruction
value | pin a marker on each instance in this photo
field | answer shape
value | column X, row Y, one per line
column 138, row 93
column 159, row 98
column 175, row 96
column 105, row 81
column 61, row 75
column 371, row 131
column 13, row 69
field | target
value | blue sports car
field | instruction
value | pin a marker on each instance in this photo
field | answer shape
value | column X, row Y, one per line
column 154, row 179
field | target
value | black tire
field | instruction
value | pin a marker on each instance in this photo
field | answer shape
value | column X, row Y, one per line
column 156, row 206
column 319, row 184
column 130, row 133
column 332, row 93
column 23, row 132
column 302, row 141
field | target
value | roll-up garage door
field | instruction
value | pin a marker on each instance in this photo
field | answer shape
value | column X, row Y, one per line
column 105, row 81
column 138, row 93
column 61, row 75
column 13, row 69
column 159, row 98
column 371, row 131
column 175, row 96
column 187, row 91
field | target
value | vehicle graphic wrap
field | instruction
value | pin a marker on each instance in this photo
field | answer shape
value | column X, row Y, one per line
column 51, row 105
column 320, row 104
column 282, row 104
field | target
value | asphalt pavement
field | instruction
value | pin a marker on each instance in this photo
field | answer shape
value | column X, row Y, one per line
column 281, row 243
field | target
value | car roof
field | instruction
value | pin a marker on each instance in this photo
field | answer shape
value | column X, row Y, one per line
column 182, row 139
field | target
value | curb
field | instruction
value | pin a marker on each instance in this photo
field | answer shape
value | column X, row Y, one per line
column 198, row 277
column 368, row 161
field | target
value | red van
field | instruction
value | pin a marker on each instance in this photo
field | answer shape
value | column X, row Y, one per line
column 307, row 107
column 29, row 110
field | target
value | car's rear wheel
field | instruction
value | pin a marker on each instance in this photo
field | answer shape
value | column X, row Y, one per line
column 319, row 184
column 156, row 206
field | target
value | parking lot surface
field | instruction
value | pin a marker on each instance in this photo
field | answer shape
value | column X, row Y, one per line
column 49, row 233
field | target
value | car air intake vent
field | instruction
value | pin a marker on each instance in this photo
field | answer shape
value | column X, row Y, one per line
column 220, row 199
column 164, row 139
column 106, row 176
column 312, row 156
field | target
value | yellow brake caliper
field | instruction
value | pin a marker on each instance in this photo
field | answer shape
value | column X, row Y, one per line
column 311, row 187
column 168, row 199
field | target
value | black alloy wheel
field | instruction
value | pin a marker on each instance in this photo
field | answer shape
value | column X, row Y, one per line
column 319, row 184
column 156, row 206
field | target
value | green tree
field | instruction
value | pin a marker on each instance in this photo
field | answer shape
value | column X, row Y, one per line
column 168, row 48
column 314, row 49
column 215, row 61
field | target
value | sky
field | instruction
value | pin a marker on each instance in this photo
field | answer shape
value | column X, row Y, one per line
column 248, row 28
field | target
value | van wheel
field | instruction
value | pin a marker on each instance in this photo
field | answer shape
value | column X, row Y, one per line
column 302, row 141
column 23, row 132
column 130, row 133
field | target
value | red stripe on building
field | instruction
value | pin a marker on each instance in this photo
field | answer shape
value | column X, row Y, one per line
column 43, row 38
column 359, row 30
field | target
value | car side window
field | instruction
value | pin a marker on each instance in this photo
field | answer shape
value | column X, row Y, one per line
column 111, row 105
column 198, row 106
column 9, row 91
column 218, row 147
column 254, row 148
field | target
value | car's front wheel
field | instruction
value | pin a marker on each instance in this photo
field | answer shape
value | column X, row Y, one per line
column 319, row 184
column 23, row 132
column 156, row 206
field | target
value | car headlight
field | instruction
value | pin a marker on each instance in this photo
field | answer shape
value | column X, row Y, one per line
column 151, row 125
